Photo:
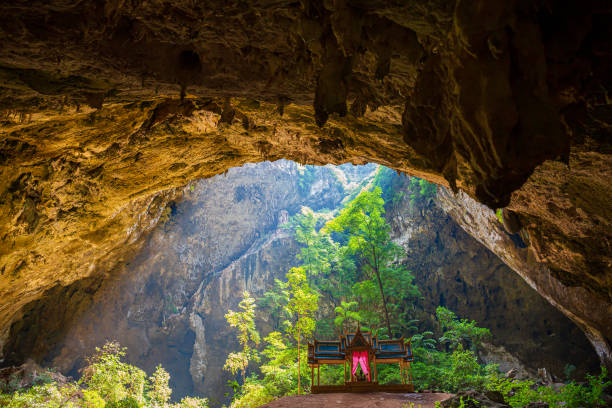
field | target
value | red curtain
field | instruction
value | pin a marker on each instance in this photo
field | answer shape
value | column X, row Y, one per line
column 361, row 358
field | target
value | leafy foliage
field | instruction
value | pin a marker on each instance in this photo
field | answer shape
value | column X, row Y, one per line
column 315, row 252
column 346, row 311
column 274, row 303
column 519, row 393
column 421, row 190
column 499, row 215
column 437, row 369
column 362, row 226
column 159, row 391
column 303, row 302
column 107, row 382
column 113, row 379
column 460, row 333
column 279, row 373
column 248, row 336
column 47, row 395
column 294, row 302
column 351, row 262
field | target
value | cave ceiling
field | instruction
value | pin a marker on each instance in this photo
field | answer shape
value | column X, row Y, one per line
column 109, row 108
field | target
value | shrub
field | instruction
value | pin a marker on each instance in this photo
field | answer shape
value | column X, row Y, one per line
column 465, row 372
column 107, row 383
column 113, row 379
column 159, row 390
column 192, row 402
column 253, row 394
column 93, row 399
column 519, row 393
column 39, row 396
column 460, row 332
column 127, row 402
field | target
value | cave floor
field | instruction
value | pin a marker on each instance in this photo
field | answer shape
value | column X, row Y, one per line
column 376, row 399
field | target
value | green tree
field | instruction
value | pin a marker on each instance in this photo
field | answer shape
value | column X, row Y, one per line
column 274, row 303
column 421, row 189
column 279, row 371
column 344, row 312
column 303, row 302
column 248, row 335
column 367, row 293
column 460, row 332
column 316, row 248
column 113, row 379
column 159, row 390
column 401, row 294
column 367, row 236
column 333, row 266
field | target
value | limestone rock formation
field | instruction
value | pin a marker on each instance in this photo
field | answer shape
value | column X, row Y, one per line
column 455, row 270
column 589, row 311
column 224, row 235
column 167, row 303
column 107, row 104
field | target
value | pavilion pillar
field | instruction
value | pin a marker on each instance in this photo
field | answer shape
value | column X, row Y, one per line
column 311, row 376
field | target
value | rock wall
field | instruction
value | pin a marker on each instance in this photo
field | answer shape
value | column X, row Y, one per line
column 455, row 270
column 104, row 105
column 167, row 302
column 589, row 311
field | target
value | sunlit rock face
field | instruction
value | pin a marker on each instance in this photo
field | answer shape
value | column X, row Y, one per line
column 589, row 311
column 167, row 303
column 495, row 98
column 225, row 235
column 456, row 271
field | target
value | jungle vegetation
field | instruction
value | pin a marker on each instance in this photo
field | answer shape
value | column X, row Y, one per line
column 107, row 382
column 349, row 273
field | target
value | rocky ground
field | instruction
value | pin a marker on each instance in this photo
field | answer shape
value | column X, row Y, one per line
column 371, row 400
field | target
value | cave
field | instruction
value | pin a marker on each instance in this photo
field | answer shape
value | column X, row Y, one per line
column 218, row 237
column 112, row 113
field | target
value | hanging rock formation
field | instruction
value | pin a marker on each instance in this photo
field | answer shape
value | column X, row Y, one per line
column 592, row 314
column 106, row 104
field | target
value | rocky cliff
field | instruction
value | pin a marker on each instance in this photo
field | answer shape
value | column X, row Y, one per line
column 167, row 302
column 106, row 104
column 224, row 235
column 590, row 312
column 455, row 270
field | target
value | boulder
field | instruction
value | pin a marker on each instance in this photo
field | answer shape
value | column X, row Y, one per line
column 475, row 399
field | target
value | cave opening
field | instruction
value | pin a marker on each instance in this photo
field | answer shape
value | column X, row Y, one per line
column 110, row 113
column 217, row 237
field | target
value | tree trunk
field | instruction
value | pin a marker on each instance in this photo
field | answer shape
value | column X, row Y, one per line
column 298, row 339
column 244, row 368
column 375, row 267
column 382, row 294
